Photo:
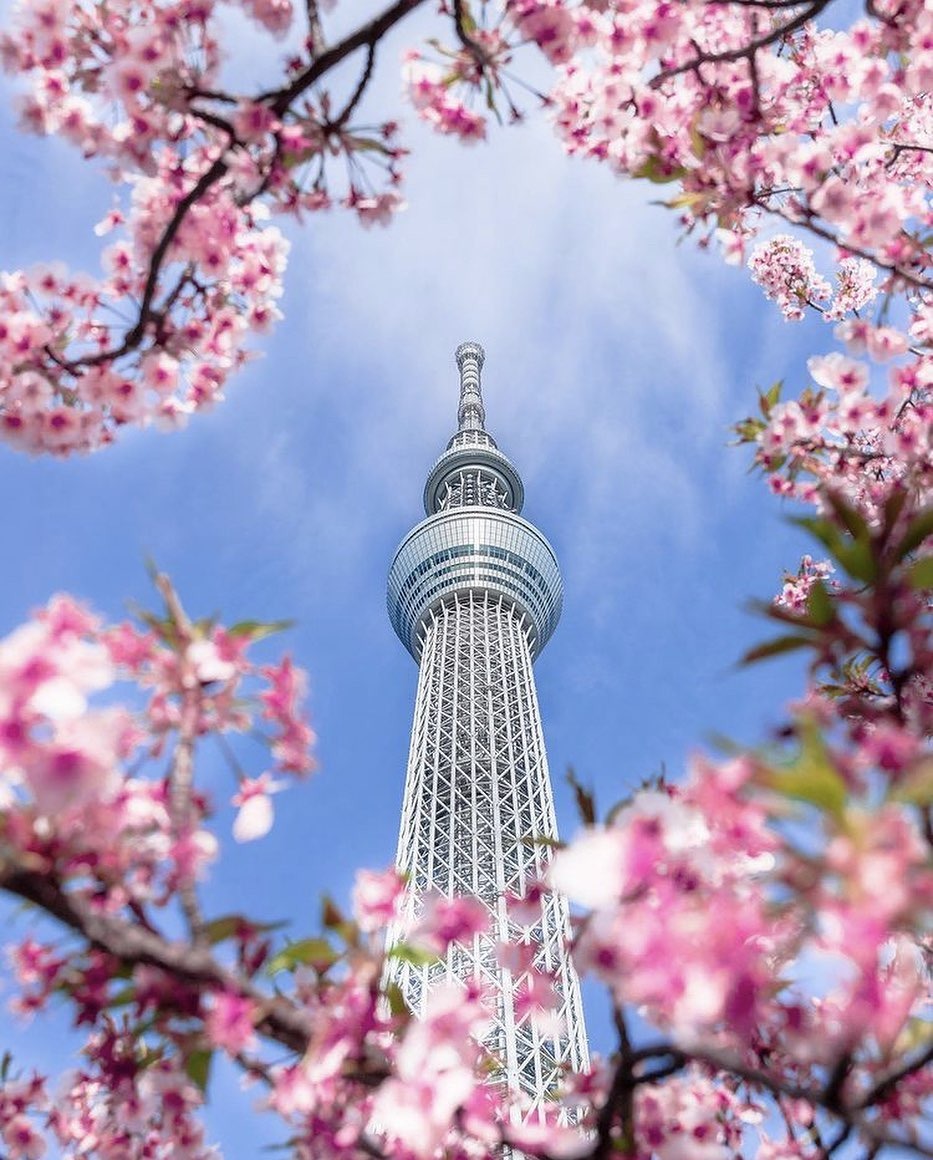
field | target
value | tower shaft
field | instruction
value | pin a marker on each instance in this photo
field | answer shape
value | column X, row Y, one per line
column 474, row 593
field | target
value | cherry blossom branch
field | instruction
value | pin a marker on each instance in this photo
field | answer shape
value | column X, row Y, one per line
column 885, row 1086
column 133, row 945
column 134, row 337
column 810, row 223
column 826, row 1097
column 746, row 50
column 279, row 100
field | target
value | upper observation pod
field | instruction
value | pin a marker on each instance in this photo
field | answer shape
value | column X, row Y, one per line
column 472, row 472
column 474, row 539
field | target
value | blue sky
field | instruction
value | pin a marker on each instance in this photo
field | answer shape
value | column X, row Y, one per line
column 616, row 361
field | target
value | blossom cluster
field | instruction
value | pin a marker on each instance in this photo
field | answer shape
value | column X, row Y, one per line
column 847, row 432
column 749, row 113
column 763, row 915
column 796, row 590
column 194, row 263
column 430, row 91
column 752, row 113
column 688, row 920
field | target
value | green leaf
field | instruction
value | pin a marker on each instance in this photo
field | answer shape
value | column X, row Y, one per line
column 854, row 555
column 821, row 529
column 893, row 506
column 918, row 529
column 657, row 172
column 312, row 952
column 365, row 144
column 469, row 23
column 417, row 956
column 848, row 516
column 769, row 398
column 812, row 777
column 858, row 560
column 920, row 574
column 820, row 605
column 396, row 1000
column 219, row 929
column 198, row 1067
column 122, row 998
column 333, row 918
column 748, row 430
column 776, row 647
column 162, row 626
column 257, row 629
column 686, row 200
column 916, row 786
column 783, row 615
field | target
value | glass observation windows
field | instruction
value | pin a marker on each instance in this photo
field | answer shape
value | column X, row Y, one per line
column 486, row 550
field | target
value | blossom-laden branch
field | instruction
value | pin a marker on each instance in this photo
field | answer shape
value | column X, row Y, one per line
column 735, row 105
column 199, row 269
column 709, row 907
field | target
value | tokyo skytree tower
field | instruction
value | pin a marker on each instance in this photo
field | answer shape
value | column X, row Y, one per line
column 474, row 594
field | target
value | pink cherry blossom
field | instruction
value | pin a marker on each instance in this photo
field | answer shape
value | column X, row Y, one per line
column 256, row 815
column 376, row 898
column 230, row 1022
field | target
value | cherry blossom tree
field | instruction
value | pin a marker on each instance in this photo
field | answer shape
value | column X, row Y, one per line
column 761, row 924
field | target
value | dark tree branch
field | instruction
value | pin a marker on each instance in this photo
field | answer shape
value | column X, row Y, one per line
column 135, row 336
column 746, row 50
column 279, row 100
column 809, row 223
column 132, row 944
column 885, row 1086
column 347, row 111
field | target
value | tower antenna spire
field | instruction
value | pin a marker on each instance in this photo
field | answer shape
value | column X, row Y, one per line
column 471, row 416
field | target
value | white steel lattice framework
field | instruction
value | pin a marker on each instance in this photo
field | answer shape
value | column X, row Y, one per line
column 474, row 594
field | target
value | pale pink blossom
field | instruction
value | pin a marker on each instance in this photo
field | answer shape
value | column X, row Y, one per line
column 256, row 814
column 376, row 898
column 230, row 1022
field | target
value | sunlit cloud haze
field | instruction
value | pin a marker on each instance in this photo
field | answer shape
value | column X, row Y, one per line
column 616, row 361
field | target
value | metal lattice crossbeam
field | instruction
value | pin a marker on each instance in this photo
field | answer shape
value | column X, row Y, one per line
column 474, row 596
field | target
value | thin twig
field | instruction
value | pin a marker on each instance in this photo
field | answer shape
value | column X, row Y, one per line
column 279, row 100
column 135, row 336
column 181, row 774
column 347, row 111
column 316, row 41
column 746, row 50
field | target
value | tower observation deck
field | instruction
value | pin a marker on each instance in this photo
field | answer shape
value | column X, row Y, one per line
column 474, row 594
